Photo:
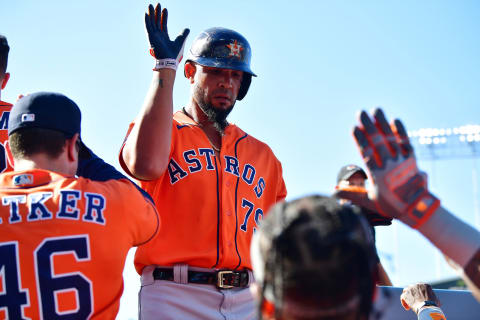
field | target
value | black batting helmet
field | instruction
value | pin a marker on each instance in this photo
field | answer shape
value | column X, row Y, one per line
column 226, row 49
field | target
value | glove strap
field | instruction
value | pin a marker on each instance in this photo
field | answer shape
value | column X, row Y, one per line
column 165, row 63
column 422, row 209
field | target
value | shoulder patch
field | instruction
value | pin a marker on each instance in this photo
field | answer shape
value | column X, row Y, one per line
column 22, row 179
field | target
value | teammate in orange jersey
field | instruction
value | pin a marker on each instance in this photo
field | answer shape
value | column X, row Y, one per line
column 64, row 239
column 212, row 182
column 4, row 106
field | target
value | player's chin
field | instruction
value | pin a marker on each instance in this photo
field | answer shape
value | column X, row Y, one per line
column 222, row 103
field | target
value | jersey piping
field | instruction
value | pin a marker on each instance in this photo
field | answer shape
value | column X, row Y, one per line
column 218, row 214
column 236, row 206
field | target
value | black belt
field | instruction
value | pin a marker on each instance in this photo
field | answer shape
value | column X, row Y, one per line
column 223, row 279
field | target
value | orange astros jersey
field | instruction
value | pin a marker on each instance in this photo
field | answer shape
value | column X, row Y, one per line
column 210, row 206
column 4, row 114
column 63, row 244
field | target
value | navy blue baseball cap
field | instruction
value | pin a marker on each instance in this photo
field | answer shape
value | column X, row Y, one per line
column 46, row 110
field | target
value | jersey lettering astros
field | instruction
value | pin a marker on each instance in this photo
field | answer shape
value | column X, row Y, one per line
column 63, row 244
column 210, row 206
column 4, row 114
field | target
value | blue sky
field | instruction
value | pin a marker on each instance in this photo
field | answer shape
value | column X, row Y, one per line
column 318, row 63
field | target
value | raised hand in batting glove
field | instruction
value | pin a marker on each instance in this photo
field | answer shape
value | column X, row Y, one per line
column 399, row 188
column 167, row 53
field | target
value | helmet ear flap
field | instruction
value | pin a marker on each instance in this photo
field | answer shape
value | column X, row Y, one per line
column 246, row 80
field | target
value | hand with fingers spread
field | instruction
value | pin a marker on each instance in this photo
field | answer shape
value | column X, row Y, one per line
column 168, row 53
column 399, row 188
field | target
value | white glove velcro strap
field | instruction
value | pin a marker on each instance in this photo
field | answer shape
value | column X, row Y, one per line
column 431, row 313
column 165, row 63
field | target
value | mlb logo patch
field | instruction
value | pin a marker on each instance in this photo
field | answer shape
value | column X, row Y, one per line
column 22, row 179
column 28, row 117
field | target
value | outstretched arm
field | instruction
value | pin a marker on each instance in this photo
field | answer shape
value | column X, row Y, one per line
column 400, row 191
column 147, row 147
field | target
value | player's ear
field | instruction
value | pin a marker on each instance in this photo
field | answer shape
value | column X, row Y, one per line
column 5, row 80
column 72, row 148
column 190, row 70
column 9, row 153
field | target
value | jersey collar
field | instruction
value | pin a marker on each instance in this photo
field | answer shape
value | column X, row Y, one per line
column 182, row 118
column 231, row 129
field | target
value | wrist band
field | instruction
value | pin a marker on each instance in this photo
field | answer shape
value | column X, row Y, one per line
column 165, row 63
column 421, row 210
column 428, row 303
column 431, row 313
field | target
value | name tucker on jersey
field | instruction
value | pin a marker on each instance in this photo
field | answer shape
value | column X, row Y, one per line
column 34, row 207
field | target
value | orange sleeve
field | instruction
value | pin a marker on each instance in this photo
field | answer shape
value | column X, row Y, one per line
column 140, row 216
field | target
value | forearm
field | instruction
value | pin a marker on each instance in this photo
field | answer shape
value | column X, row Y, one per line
column 383, row 278
column 148, row 145
column 431, row 313
column 457, row 240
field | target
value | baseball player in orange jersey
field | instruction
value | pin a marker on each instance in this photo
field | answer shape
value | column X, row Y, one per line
column 4, row 106
column 212, row 182
column 64, row 239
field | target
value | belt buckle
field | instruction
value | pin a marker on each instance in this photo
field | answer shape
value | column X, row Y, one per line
column 220, row 279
